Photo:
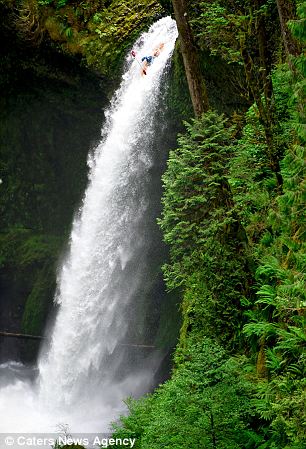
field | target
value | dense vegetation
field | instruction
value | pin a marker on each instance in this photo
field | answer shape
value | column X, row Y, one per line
column 234, row 218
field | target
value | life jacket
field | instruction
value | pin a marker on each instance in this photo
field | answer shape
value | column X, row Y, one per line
column 149, row 59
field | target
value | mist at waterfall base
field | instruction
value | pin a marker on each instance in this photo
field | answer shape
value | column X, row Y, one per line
column 105, row 282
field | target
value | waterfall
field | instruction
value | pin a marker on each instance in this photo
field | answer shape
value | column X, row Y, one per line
column 83, row 376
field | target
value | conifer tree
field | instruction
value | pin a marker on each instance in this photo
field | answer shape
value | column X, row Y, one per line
column 207, row 241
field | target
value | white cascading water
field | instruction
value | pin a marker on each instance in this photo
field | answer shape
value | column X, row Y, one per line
column 80, row 379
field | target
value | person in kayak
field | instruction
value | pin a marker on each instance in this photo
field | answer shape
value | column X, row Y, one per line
column 148, row 60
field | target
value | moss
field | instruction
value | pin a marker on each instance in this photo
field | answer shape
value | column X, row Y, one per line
column 170, row 322
column 24, row 248
column 100, row 32
column 115, row 29
column 39, row 301
column 178, row 98
column 27, row 261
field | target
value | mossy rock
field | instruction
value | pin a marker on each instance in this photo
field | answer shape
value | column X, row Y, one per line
column 99, row 31
column 39, row 301
column 28, row 260
column 23, row 248
column 114, row 30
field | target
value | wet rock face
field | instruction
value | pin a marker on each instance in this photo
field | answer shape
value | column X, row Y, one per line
column 51, row 114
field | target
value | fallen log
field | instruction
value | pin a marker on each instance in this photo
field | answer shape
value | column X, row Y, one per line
column 39, row 337
column 136, row 346
column 14, row 335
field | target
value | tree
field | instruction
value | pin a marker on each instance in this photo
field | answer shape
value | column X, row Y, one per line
column 207, row 241
column 246, row 33
column 286, row 12
column 196, row 83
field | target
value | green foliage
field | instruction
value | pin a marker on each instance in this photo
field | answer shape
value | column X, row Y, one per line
column 281, row 403
column 275, row 224
column 281, row 249
column 45, row 2
column 241, row 33
column 200, row 226
column 219, row 30
column 61, row 3
column 23, row 248
column 69, row 32
column 23, row 251
column 298, row 29
column 251, row 179
column 39, row 301
column 194, row 176
column 205, row 404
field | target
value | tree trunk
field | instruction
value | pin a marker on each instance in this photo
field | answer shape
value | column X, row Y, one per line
column 286, row 12
column 196, row 83
column 259, row 80
column 261, row 363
